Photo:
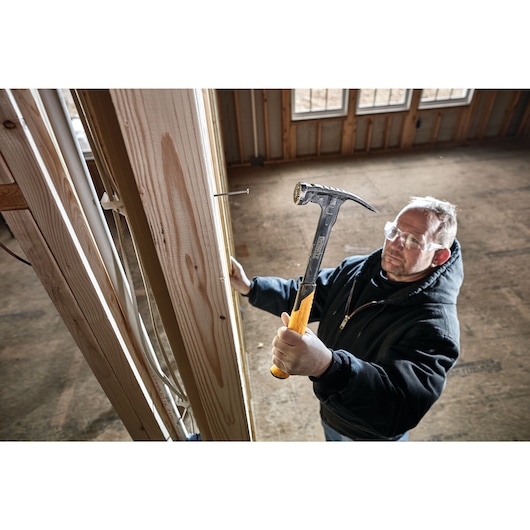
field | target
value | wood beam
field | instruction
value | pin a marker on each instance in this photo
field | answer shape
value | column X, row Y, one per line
column 408, row 131
column 349, row 125
column 491, row 95
column 266, row 124
column 163, row 133
column 56, row 239
column 287, row 135
column 11, row 198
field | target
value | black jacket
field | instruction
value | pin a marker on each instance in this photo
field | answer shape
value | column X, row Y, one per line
column 391, row 360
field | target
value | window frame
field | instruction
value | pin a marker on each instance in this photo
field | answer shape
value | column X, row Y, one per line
column 443, row 103
column 382, row 109
column 320, row 114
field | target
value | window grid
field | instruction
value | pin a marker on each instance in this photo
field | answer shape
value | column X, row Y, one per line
column 445, row 97
column 378, row 100
column 310, row 103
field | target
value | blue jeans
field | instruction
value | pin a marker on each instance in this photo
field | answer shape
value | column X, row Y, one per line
column 333, row 436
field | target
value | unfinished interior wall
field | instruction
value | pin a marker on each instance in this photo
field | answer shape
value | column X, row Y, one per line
column 492, row 114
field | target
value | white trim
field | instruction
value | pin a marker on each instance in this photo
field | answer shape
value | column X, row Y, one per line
column 380, row 109
column 313, row 115
column 453, row 102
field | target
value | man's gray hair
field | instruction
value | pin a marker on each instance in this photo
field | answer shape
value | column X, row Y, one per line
column 444, row 211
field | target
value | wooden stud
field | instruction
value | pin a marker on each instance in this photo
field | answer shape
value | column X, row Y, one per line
column 173, row 176
column 408, row 131
column 11, row 198
column 266, row 124
column 369, row 131
column 388, row 128
column 436, row 127
column 288, row 141
column 524, row 126
column 485, row 117
column 318, row 138
column 240, row 149
column 509, row 113
column 349, row 125
column 56, row 259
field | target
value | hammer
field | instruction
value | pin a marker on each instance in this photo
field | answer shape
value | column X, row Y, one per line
column 330, row 201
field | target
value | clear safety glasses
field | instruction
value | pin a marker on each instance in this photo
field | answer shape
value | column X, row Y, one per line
column 407, row 240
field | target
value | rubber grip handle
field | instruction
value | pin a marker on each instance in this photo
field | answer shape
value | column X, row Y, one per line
column 297, row 322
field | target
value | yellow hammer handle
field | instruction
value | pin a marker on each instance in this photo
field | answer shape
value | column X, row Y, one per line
column 297, row 322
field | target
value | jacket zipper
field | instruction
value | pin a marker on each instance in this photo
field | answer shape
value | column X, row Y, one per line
column 346, row 318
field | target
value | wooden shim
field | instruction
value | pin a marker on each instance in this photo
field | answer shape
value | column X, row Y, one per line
column 163, row 133
column 68, row 279
column 11, row 198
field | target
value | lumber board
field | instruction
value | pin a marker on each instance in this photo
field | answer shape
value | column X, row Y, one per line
column 490, row 96
column 166, row 144
column 36, row 249
column 408, row 131
column 70, row 274
column 111, row 157
column 11, row 198
column 240, row 148
column 287, row 136
column 509, row 113
column 349, row 125
column 266, row 123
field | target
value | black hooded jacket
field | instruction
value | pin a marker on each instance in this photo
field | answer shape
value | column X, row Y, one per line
column 391, row 359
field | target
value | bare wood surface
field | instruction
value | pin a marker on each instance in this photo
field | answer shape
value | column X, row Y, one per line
column 490, row 95
column 509, row 113
column 286, row 125
column 11, row 198
column 162, row 132
column 408, row 131
column 436, row 127
column 266, row 124
column 68, row 279
column 240, row 149
column 349, row 125
column 111, row 156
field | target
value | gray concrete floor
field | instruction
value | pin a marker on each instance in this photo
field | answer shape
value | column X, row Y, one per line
column 47, row 391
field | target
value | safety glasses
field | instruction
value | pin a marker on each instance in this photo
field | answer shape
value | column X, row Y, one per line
column 407, row 240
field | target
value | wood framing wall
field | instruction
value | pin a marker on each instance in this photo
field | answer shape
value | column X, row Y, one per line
column 163, row 150
column 491, row 115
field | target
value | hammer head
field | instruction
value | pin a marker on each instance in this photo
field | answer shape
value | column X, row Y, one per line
column 304, row 193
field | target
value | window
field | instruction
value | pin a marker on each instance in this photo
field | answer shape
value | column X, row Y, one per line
column 445, row 97
column 311, row 103
column 377, row 100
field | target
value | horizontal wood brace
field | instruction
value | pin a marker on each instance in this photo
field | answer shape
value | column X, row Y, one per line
column 11, row 198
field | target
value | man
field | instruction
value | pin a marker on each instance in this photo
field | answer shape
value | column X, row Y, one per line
column 388, row 327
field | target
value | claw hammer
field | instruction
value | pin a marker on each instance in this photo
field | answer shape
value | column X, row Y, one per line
column 330, row 201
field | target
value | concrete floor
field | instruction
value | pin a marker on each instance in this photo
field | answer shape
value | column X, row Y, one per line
column 47, row 391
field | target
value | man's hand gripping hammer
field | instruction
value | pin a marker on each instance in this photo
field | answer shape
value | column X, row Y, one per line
column 330, row 201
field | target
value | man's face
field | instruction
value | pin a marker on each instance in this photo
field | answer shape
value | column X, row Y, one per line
column 408, row 265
